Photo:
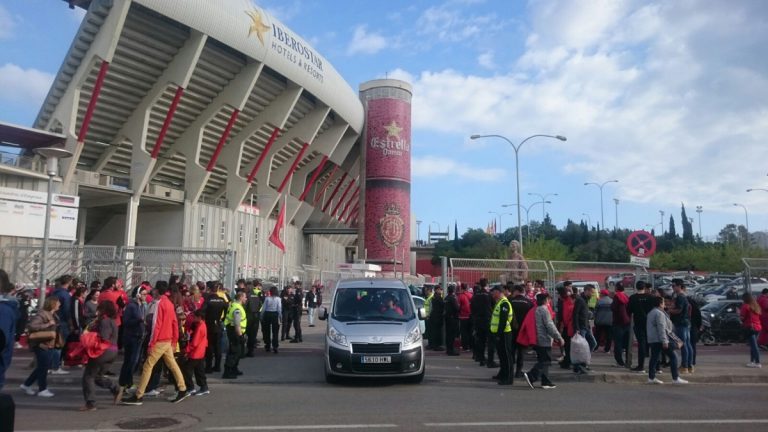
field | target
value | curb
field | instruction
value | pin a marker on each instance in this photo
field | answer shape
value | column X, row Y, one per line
column 622, row 378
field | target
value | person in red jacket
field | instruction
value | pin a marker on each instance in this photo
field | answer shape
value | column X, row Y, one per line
column 164, row 335
column 620, row 309
column 195, row 364
column 465, row 323
column 750, row 319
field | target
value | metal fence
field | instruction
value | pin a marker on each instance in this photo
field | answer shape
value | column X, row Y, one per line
column 754, row 268
column 133, row 264
column 471, row 270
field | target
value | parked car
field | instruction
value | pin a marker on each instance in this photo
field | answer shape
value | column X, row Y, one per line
column 721, row 322
column 373, row 331
column 578, row 286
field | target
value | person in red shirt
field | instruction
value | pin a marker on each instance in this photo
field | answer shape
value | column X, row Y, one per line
column 195, row 364
column 750, row 319
column 164, row 334
column 109, row 293
column 465, row 323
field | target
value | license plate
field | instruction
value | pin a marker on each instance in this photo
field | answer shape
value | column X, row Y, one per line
column 376, row 359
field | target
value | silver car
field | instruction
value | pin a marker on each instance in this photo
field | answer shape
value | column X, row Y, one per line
column 373, row 331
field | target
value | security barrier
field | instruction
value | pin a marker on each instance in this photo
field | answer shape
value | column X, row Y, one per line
column 605, row 275
column 471, row 270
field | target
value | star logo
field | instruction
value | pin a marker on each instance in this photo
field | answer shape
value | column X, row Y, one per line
column 393, row 129
column 257, row 25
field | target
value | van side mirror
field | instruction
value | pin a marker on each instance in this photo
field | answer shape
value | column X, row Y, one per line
column 323, row 315
column 422, row 313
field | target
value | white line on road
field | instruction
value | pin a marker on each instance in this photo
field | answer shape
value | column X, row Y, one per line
column 301, row 427
column 598, row 422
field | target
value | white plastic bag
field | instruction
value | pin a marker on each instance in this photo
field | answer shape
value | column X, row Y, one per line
column 580, row 353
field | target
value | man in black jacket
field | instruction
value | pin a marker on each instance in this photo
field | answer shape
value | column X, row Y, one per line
column 436, row 320
column 452, row 324
column 580, row 326
column 481, row 306
column 253, row 309
column 640, row 305
column 214, row 307
column 297, row 303
column 520, row 305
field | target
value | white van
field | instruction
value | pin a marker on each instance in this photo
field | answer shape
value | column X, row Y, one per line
column 373, row 331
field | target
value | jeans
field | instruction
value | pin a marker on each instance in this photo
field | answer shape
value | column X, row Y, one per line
column 754, row 350
column 686, row 351
column 656, row 349
column 695, row 335
column 311, row 316
column 131, row 347
column 58, row 354
column 94, row 375
column 541, row 369
column 620, row 343
column 43, row 357
column 590, row 338
column 270, row 328
column 642, row 345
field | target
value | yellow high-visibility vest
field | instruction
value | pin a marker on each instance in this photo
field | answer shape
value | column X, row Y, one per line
column 497, row 313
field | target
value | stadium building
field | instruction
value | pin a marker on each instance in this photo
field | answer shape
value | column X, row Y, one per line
column 193, row 125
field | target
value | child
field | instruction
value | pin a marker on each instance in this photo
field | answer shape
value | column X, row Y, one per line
column 198, row 342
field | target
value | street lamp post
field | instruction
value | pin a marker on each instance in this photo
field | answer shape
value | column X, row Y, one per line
column 543, row 198
column 616, row 202
column 661, row 212
column 517, row 172
column 746, row 214
column 699, row 209
column 418, row 231
column 589, row 219
column 757, row 189
column 52, row 156
column 527, row 213
column 600, row 186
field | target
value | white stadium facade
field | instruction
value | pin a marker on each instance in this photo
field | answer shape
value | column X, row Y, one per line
column 191, row 123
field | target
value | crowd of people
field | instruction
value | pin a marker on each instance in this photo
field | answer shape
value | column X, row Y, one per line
column 506, row 321
column 166, row 329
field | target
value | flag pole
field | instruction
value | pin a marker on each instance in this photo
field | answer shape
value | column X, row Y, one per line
column 285, row 230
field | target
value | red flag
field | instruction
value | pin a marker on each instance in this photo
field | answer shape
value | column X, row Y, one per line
column 275, row 237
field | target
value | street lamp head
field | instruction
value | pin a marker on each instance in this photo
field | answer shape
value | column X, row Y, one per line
column 561, row 138
column 52, row 156
column 474, row 136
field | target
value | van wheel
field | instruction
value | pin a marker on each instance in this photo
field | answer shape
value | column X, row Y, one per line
column 417, row 379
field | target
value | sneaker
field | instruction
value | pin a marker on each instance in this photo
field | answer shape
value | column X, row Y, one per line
column 548, row 386
column 655, row 381
column 680, row 381
column 89, row 406
column 528, row 380
column 17, row 345
column 203, row 392
column 45, row 393
column 691, row 369
column 132, row 400
column 59, row 371
column 180, row 396
column 754, row 365
column 172, row 397
column 27, row 389
column 193, row 392
column 684, row 371
column 152, row 393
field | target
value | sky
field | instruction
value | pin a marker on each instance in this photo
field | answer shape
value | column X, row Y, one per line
column 668, row 98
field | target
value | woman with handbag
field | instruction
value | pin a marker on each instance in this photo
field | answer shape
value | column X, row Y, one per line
column 750, row 319
column 105, row 327
column 42, row 340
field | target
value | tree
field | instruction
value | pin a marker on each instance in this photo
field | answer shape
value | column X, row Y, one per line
column 687, row 226
column 672, row 233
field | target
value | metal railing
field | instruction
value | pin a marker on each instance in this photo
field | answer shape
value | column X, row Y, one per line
column 19, row 161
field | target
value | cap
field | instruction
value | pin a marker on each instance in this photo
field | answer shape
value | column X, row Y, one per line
column 604, row 292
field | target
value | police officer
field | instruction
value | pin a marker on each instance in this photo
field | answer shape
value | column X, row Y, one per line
column 501, row 329
column 296, row 307
column 253, row 308
column 236, row 322
column 214, row 306
column 452, row 324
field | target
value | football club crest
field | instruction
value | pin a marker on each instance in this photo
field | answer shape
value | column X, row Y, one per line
column 391, row 226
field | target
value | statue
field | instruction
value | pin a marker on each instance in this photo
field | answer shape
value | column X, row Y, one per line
column 518, row 266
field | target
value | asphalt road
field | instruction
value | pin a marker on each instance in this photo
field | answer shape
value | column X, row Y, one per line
column 287, row 392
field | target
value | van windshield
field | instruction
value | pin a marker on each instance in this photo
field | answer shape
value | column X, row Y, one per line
column 372, row 304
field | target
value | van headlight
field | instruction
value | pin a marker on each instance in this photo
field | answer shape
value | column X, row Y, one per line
column 413, row 337
column 337, row 337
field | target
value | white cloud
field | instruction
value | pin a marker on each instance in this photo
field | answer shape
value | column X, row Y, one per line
column 26, row 87
column 669, row 97
column 450, row 22
column 436, row 166
column 365, row 43
column 7, row 23
column 485, row 60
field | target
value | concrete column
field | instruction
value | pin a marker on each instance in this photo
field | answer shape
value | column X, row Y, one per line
column 131, row 216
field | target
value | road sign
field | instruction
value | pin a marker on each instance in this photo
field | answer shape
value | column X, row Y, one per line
column 642, row 262
column 641, row 244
